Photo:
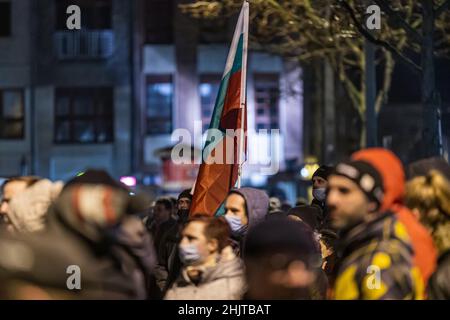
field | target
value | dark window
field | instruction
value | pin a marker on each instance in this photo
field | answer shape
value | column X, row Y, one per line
column 267, row 101
column 12, row 114
column 209, row 88
column 159, row 97
column 159, row 21
column 84, row 115
column 95, row 14
column 5, row 19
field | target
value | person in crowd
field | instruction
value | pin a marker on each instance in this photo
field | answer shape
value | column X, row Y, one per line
column 10, row 188
column 162, row 212
column 274, row 204
column 280, row 261
column 91, row 226
column 393, row 176
column 376, row 256
column 428, row 197
column 328, row 240
column 206, row 273
column 244, row 208
column 320, row 184
column 169, row 264
column 27, row 211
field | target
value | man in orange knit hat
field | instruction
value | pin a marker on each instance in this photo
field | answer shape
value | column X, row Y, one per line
column 377, row 256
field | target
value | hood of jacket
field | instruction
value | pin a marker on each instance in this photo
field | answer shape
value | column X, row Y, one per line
column 257, row 204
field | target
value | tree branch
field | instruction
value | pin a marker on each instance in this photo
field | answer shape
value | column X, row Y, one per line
column 415, row 67
column 394, row 17
column 439, row 10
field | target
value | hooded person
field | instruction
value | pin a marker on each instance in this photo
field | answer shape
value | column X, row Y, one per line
column 206, row 273
column 319, row 192
column 393, row 177
column 28, row 210
column 93, row 218
column 244, row 209
column 375, row 251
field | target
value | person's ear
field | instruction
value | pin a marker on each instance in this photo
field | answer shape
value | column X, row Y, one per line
column 213, row 245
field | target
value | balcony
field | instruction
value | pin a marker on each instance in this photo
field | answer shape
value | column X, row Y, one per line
column 83, row 44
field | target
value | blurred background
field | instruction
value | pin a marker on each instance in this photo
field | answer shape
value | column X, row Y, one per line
column 110, row 95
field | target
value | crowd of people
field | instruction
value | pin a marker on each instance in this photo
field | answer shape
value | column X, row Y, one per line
column 373, row 231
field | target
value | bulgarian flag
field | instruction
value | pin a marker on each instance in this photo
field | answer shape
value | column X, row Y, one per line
column 225, row 149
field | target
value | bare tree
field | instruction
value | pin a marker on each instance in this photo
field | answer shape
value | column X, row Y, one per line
column 332, row 29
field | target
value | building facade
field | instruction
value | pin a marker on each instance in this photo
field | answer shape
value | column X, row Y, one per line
column 111, row 94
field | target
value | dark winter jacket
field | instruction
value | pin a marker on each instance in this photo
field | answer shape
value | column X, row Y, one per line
column 376, row 262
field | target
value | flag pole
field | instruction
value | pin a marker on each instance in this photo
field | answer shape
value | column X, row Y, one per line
column 243, row 90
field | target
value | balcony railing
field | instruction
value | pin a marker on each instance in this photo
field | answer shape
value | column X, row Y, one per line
column 84, row 44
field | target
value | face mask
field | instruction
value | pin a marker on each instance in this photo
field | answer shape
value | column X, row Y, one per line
column 189, row 254
column 320, row 194
column 237, row 229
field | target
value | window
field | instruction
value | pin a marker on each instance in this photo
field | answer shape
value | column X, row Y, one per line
column 84, row 115
column 209, row 87
column 266, row 98
column 159, row 21
column 159, row 97
column 5, row 19
column 12, row 119
column 95, row 14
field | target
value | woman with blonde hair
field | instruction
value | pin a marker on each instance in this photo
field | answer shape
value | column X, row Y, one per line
column 429, row 198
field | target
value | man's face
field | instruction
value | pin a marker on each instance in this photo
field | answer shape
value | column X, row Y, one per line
column 347, row 204
column 319, row 182
column 161, row 214
column 235, row 207
column 193, row 234
column 184, row 204
column 10, row 190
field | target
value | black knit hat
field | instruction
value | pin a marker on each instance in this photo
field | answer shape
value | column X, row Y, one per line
column 365, row 176
column 185, row 194
column 323, row 172
column 281, row 236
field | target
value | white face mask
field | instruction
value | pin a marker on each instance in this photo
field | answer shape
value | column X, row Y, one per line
column 189, row 254
column 320, row 194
